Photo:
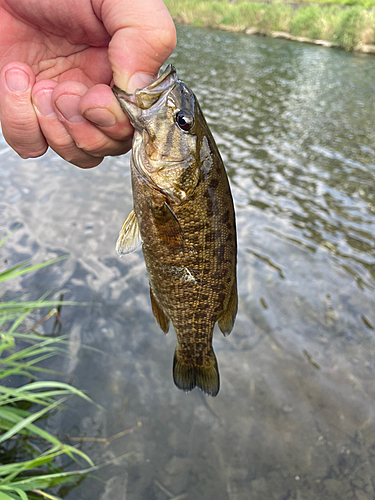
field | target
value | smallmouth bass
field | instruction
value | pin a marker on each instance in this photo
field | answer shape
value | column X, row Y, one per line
column 184, row 217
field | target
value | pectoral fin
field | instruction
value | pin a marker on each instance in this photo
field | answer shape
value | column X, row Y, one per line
column 159, row 314
column 226, row 320
column 129, row 238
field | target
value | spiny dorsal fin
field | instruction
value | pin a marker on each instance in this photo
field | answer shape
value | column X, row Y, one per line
column 226, row 320
column 129, row 238
column 159, row 314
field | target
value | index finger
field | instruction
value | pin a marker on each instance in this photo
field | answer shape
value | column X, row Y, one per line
column 143, row 37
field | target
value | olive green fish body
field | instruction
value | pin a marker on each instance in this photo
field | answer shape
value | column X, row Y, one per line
column 184, row 210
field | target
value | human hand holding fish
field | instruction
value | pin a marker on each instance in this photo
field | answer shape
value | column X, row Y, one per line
column 57, row 62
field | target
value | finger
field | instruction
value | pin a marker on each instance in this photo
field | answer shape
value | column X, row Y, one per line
column 66, row 99
column 56, row 134
column 17, row 115
column 143, row 37
column 86, row 136
column 100, row 107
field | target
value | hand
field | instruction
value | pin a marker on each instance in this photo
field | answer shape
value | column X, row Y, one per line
column 58, row 60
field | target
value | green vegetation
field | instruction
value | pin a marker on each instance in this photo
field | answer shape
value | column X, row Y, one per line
column 28, row 453
column 363, row 3
column 348, row 32
column 347, row 27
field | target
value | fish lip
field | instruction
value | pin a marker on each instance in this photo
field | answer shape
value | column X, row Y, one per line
column 164, row 79
column 145, row 97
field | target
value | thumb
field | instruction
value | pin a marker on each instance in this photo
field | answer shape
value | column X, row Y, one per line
column 143, row 37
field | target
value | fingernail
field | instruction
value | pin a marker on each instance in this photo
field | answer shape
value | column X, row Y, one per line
column 17, row 80
column 68, row 106
column 101, row 117
column 43, row 102
column 139, row 80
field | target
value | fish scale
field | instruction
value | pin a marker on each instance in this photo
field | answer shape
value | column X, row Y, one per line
column 183, row 215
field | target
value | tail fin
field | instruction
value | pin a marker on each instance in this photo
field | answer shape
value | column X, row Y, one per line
column 187, row 374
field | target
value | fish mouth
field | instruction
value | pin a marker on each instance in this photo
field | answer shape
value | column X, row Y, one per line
column 144, row 98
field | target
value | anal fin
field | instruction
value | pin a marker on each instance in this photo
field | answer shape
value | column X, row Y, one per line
column 159, row 314
column 226, row 320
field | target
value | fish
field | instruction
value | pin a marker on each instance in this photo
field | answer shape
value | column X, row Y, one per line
column 183, row 217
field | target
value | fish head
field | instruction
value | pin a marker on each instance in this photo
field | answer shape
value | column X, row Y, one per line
column 168, row 125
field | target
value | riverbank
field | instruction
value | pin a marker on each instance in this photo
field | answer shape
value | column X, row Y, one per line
column 350, row 28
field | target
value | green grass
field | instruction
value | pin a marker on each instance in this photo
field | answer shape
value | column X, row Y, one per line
column 28, row 453
column 347, row 27
column 307, row 21
column 362, row 3
column 348, row 32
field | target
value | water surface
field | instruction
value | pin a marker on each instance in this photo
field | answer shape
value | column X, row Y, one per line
column 294, row 418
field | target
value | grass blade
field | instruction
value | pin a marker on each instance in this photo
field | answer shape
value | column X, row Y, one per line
column 49, row 480
column 45, row 495
column 25, row 422
column 37, row 304
column 8, row 236
column 16, row 271
column 4, row 496
column 57, row 385
column 19, row 492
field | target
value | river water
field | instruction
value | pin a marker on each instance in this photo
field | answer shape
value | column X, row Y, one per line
column 294, row 418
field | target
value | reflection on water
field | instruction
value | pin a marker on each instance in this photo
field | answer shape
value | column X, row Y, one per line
column 295, row 415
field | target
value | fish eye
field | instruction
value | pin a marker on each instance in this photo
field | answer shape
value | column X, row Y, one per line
column 184, row 120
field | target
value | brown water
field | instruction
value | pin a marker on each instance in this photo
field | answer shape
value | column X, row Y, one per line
column 294, row 418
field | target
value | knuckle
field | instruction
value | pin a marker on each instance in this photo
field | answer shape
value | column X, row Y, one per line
column 163, row 40
column 26, row 148
column 21, row 129
column 66, row 149
column 77, row 152
column 98, row 148
column 85, row 162
column 69, row 156
column 169, row 37
column 29, row 153
column 123, row 149
column 61, row 142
